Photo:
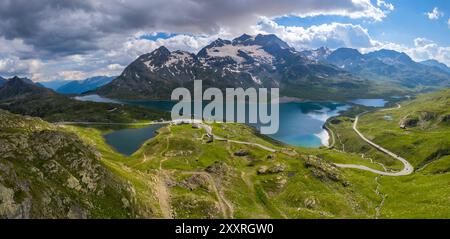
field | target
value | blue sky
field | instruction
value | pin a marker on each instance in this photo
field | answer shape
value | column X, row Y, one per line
column 402, row 25
column 405, row 23
column 76, row 39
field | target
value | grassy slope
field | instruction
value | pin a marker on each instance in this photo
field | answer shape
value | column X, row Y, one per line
column 424, row 194
column 346, row 140
column 179, row 174
column 426, row 142
column 180, row 158
column 54, row 107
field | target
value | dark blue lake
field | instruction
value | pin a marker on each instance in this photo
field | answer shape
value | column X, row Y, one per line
column 127, row 141
column 301, row 123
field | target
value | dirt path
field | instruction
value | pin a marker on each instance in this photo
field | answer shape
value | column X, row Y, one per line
column 163, row 196
column 225, row 206
column 161, row 186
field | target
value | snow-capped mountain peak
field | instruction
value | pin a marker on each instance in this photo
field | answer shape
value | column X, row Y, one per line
column 319, row 54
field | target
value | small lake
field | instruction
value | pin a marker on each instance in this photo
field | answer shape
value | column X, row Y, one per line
column 370, row 102
column 96, row 98
column 301, row 123
column 127, row 141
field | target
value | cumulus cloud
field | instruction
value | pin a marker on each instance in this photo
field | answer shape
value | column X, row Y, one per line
column 384, row 4
column 333, row 35
column 76, row 39
column 423, row 49
column 102, row 36
column 420, row 42
column 15, row 66
column 73, row 27
column 448, row 23
column 434, row 14
column 427, row 49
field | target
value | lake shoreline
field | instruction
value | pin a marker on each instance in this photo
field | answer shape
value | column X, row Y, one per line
column 301, row 121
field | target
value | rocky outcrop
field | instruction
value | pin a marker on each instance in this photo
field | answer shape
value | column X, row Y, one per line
column 323, row 170
column 409, row 122
column 277, row 168
column 445, row 118
column 46, row 172
column 241, row 153
column 196, row 181
column 218, row 168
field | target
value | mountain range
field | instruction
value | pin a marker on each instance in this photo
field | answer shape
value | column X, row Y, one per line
column 246, row 61
column 319, row 54
column 22, row 96
column 56, row 171
column 79, row 86
column 389, row 66
column 54, row 84
column 437, row 64
column 16, row 88
column 2, row 81
column 267, row 61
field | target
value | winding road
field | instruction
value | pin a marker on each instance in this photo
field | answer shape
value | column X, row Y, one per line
column 407, row 167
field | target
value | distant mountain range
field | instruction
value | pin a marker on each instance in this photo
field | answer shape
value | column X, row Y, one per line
column 267, row 61
column 22, row 96
column 16, row 88
column 2, row 81
column 320, row 54
column 55, row 84
column 247, row 61
column 389, row 66
column 437, row 64
column 78, row 87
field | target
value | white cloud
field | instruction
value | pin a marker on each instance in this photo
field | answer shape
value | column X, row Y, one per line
column 429, row 50
column 73, row 75
column 420, row 42
column 106, row 38
column 448, row 22
column 424, row 49
column 115, row 67
column 434, row 14
column 333, row 35
column 382, row 3
column 11, row 66
column 99, row 19
column 191, row 43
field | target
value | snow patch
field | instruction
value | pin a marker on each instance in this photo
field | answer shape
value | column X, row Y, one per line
column 256, row 79
column 179, row 57
column 254, row 51
column 150, row 65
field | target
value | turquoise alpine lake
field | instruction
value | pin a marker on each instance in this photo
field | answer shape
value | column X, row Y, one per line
column 301, row 123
